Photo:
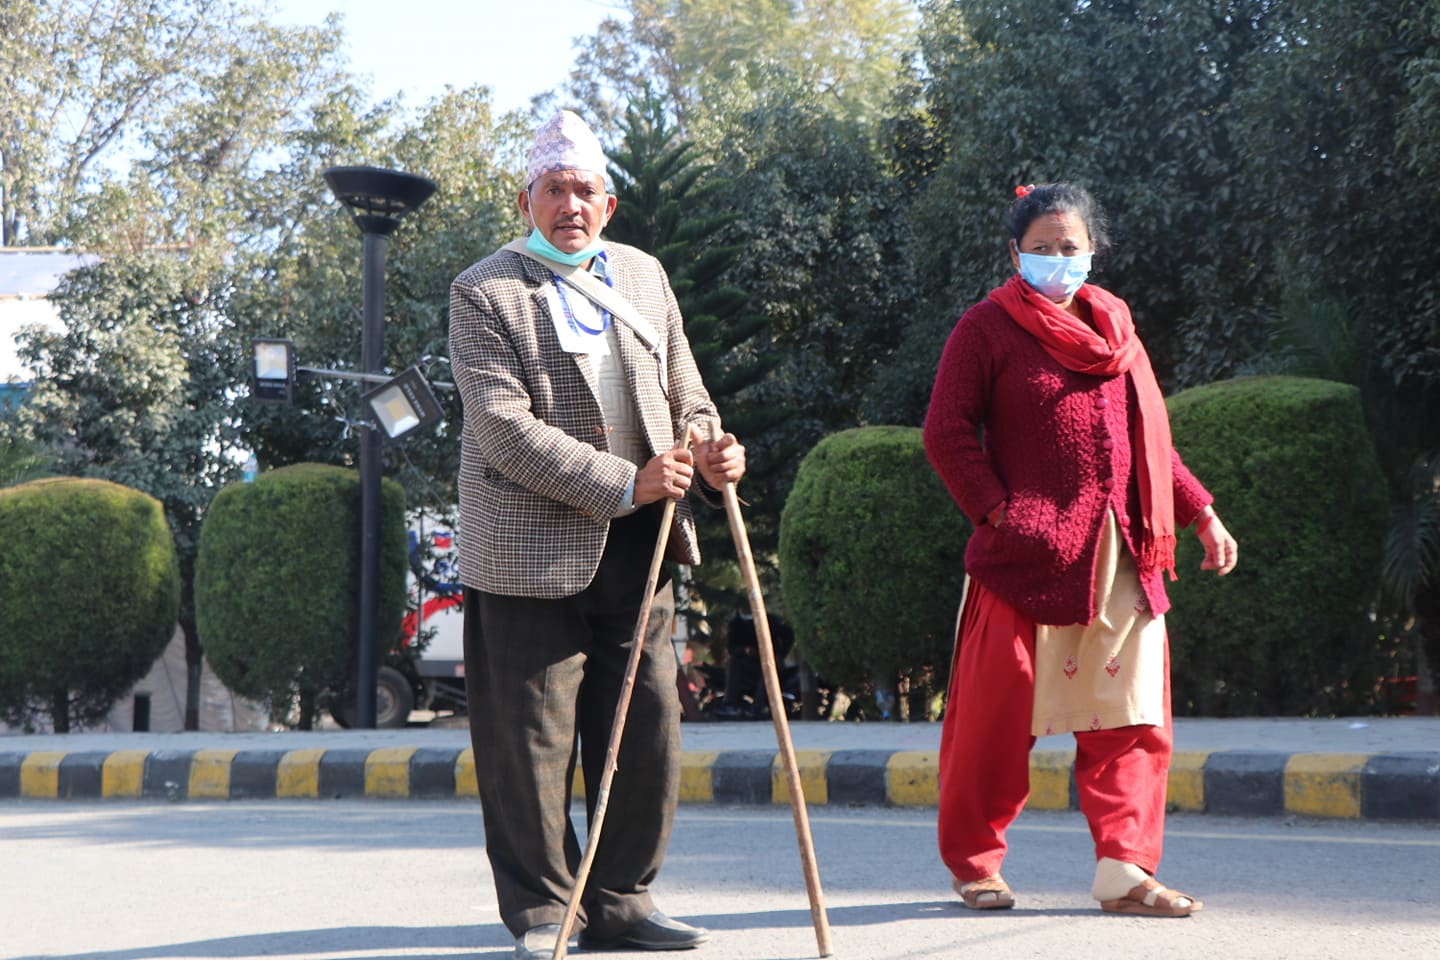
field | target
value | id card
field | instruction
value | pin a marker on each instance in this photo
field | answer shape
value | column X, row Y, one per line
column 573, row 327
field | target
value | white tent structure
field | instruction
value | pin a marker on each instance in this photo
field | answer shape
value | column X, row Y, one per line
column 158, row 700
column 27, row 275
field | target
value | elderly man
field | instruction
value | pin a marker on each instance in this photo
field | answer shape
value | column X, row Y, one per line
column 584, row 411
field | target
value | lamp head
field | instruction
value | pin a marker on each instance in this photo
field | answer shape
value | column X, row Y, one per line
column 378, row 198
column 404, row 404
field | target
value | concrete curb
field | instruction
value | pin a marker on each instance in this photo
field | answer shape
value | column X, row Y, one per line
column 1227, row 782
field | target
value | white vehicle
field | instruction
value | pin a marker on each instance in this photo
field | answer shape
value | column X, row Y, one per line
column 432, row 679
column 437, row 616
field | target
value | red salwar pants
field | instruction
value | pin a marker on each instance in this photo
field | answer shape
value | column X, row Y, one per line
column 1120, row 774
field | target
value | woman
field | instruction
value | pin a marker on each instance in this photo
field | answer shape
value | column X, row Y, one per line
column 1048, row 428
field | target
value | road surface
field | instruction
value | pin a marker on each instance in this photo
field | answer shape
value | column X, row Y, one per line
column 373, row 880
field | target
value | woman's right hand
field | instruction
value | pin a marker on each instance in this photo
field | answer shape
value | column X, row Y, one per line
column 1221, row 550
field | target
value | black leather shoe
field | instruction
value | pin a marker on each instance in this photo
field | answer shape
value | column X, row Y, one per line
column 537, row 943
column 729, row 711
column 655, row 932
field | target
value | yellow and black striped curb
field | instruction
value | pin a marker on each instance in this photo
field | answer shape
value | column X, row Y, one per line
column 1235, row 783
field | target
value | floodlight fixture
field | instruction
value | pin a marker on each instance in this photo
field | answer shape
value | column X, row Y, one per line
column 403, row 404
column 272, row 370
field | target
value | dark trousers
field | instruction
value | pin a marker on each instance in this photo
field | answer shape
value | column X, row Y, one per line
column 541, row 675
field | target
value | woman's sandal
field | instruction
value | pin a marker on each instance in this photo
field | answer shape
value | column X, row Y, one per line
column 1153, row 899
column 987, row 893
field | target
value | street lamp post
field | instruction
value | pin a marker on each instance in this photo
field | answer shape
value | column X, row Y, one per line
column 377, row 200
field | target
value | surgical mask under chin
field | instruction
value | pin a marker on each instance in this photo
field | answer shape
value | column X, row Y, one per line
column 1055, row 277
column 537, row 244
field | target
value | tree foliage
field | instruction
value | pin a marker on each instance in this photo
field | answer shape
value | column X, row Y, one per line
column 197, row 91
column 132, row 386
column 826, row 247
column 664, row 193
column 1136, row 101
column 1343, row 126
column 307, row 285
column 795, row 182
column 845, row 53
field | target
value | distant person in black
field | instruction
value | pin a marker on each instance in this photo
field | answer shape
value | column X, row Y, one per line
column 743, row 676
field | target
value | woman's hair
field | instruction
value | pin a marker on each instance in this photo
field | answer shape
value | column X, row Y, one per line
column 1058, row 198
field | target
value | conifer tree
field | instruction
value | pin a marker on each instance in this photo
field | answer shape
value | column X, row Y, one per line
column 664, row 208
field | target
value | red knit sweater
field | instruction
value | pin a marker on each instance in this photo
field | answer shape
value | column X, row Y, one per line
column 1008, row 424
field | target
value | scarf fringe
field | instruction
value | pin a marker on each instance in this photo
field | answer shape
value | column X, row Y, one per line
column 1158, row 553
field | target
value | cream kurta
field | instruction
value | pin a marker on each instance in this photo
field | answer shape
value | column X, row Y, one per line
column 1111, row 672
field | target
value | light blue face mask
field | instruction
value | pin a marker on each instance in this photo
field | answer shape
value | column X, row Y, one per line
column 1055, row 277
column 537, row 244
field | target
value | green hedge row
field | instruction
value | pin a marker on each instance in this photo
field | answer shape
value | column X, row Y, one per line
column 871, row 555
column 89, row 595
column 277, row 583
column 1297, row 482
column 872, row 561
column 872, row 547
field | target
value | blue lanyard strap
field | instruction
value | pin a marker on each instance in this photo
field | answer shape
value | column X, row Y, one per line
column 570, row 317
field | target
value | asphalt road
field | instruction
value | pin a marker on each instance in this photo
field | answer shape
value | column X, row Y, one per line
column 373, row 880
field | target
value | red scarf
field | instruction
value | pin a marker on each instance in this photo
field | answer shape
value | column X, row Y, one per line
column 1114, row 350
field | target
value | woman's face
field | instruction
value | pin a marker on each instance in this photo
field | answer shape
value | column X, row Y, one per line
column 1060, row 234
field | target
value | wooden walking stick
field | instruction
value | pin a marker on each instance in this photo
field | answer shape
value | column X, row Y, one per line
column 617, row 729
column 782, row 724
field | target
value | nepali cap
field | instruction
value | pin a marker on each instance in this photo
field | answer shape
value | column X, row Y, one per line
column 565, row 142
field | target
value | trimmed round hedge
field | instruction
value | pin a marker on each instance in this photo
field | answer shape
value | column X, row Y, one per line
column 872, row 558
column 277, row 582
column 1297, row 483
column 89, row 595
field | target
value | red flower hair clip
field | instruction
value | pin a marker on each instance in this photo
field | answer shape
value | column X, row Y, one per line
column 1024, row 190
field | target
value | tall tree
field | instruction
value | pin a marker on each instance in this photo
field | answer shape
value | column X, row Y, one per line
column 826, row 261
column 1343, row 132
column 306, row 284
column 667, row 207
column 84, row 81
column 162, row 128
column 1343, row 129
column 694, row 53
column 146, row 382
column 135, row 388
column 1136, row 101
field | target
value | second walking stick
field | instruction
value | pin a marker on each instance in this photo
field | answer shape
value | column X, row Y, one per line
column 782, row 725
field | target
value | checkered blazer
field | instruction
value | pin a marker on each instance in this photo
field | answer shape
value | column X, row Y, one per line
column 538, row 485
